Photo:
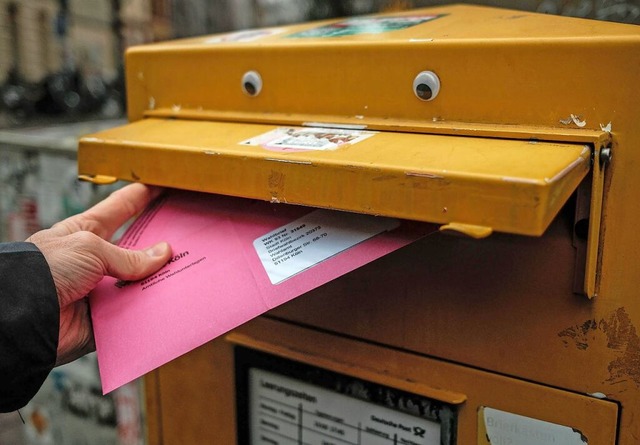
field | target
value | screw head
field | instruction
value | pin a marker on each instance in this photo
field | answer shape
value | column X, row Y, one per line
column 605, row 155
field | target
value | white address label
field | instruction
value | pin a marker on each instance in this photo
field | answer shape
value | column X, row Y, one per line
column 317, row 236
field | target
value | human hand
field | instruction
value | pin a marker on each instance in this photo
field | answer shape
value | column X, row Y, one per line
column 79, row 255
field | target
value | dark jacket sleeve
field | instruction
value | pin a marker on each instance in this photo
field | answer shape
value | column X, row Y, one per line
column 29, row 323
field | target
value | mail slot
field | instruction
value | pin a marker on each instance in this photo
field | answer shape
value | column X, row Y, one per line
column 515, row 131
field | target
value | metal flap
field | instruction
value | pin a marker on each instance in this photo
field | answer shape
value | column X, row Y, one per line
column 512, row 186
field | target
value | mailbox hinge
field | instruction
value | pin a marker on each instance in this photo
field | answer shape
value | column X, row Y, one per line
column 587, row 233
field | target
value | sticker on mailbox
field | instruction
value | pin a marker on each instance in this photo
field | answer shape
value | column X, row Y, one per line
column 364, row 25
column 290, row 139
column 248, row 35
column 502, row 427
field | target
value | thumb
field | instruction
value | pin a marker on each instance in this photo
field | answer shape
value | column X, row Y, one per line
column 135, row 264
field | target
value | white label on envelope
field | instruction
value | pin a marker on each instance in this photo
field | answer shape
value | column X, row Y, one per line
column 317, row 236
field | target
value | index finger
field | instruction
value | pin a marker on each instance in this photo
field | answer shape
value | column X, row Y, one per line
column 109, row 215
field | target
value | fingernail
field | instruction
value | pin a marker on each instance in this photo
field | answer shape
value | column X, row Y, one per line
column 158, row 250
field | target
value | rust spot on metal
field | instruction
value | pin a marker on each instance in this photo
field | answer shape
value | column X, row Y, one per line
column 622, row 337
column 579, row 334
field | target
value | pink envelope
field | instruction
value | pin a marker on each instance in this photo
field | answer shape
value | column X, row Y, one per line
column 233, row 259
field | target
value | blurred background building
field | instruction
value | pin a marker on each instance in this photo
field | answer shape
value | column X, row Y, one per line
column 63, row 58
column 61, row 76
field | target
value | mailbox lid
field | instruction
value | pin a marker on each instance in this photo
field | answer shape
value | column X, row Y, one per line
column 513, row 186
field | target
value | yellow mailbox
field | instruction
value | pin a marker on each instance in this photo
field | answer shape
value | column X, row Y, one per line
column 517, row 130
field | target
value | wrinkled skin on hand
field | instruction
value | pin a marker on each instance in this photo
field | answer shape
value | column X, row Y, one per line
column 80, row 255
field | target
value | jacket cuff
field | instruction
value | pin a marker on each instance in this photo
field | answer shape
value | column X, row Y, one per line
column 29, row 323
